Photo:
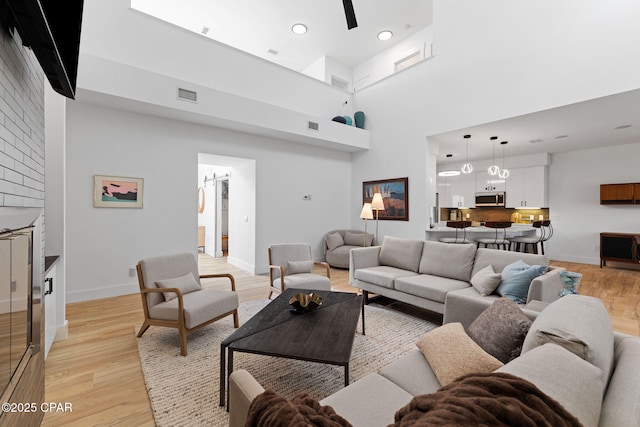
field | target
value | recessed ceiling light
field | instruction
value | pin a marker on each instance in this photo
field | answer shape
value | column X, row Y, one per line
column 205, row 30
column 562, row 136
column 299, row 29
column 385, row 35
column 622, row 127
column 273, row 52
column 535, row 141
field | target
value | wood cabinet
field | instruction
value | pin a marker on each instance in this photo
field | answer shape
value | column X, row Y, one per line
column 620, row 194
column 620, row 247
column 527, row 187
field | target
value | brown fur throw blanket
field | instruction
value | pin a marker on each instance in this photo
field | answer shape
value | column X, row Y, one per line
column 271, row 410
column 495, row 399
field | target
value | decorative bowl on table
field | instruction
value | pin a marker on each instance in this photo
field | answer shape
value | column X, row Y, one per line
column 304, row 303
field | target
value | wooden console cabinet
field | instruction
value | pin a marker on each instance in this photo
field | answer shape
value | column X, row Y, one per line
column 619, row 247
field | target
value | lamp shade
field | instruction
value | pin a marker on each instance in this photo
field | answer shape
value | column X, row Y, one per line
column 377, row 202
column 367, row 212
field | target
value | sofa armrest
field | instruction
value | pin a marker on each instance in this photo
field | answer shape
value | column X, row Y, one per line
column 243, row 388
column 362, row 258
column 547, row 287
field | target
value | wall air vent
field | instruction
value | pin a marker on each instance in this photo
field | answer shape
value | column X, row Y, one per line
column 338, row 82
column 408, row 61
column 187, row 95
column 313, row 126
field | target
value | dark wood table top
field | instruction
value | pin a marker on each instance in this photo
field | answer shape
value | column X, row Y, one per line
column 324, row 335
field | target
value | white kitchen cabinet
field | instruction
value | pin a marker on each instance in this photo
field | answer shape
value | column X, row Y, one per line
column 457, row 191
column 486, row 182
column 527, row 187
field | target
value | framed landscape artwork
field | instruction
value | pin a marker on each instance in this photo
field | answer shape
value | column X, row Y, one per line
column 395, row 195
column 117, row 192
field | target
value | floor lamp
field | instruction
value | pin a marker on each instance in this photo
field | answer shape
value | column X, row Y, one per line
column 366, row 214
column 378, row 205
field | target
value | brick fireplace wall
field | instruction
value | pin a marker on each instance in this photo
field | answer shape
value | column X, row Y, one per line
column 21, row 125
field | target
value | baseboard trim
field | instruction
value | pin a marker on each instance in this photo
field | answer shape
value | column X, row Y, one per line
column 62, row 332
column 241, row 264
column 99, row 293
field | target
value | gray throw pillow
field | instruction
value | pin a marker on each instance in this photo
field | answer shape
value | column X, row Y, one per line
column 186, row 284
column 357, row 239
column 486, row 281
column 501, row 329
column 334, row 240
column 297, row 267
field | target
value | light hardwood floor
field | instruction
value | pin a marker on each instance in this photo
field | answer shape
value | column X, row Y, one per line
column 97, row 368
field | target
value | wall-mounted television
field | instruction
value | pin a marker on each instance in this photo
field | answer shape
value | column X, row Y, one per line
column 51, row 28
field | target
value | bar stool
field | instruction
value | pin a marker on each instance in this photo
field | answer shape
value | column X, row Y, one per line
column 499, row 241
column 458, row 225
column 529, row 242
column 547, row 232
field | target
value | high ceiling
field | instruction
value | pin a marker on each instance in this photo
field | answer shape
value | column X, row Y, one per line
column 258, row 26
column 596, row 123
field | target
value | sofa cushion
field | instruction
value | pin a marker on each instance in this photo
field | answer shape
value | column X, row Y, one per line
column 382, row 275
column 199, row 307
column 186, row 284
column 412, row 373
column 451, row 353
column 574, row 383
column 401, row 253
column 499, row 259
column 357, row 239
column 370, row 401
column 580, row 324
column 486, row 280
column 297, row 267
column 621, row 406
column 334, row 240
column 516, row 279
column 500, row 330
column 434, row 288
column 446, row 260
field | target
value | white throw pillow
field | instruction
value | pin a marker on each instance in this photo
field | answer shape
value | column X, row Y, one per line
column 186, row 284
column 334, row 240
column 357, row 239
column 486, row 280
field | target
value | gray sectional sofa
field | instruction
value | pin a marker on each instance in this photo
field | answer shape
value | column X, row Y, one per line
column 570, row 353
column 429, row 274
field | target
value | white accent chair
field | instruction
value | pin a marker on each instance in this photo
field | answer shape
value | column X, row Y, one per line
column 172, row 296
column 291, row 265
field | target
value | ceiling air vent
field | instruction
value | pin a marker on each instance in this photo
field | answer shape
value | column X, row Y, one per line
column 187, row 95
column 312, row 126
column 338, row 82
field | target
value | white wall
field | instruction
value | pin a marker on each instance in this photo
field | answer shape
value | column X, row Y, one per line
column 104, row 243
column 493, row 60
column 574, row 198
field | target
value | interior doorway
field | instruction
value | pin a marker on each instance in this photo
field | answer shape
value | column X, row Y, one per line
column 226, row 209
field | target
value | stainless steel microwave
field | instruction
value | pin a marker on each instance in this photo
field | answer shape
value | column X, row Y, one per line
column 493, row 198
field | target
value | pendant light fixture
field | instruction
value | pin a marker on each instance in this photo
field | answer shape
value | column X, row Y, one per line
column 493, row 169
column 467, row 168
column 504, row 173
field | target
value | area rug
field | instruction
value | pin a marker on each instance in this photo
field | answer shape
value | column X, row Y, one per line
column 184, row 390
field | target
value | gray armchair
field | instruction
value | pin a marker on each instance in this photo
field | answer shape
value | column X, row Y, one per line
column 172, row 296
column 291, row 265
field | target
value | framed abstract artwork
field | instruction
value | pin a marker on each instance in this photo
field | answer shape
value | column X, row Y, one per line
column 395, row 196
column 117, row 192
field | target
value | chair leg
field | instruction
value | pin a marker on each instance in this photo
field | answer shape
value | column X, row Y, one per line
column 143, row 328
column 183, row 342
column 236, row 320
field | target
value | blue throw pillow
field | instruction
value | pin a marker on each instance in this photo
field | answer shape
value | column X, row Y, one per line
column 569, row 281
column 516, row 278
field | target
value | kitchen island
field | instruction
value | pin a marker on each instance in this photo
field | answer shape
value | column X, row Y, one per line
column 480, row 232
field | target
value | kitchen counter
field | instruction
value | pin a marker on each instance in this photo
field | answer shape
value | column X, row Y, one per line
column 474, row 233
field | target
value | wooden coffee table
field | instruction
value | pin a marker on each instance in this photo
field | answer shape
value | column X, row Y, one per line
column 324, row 335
